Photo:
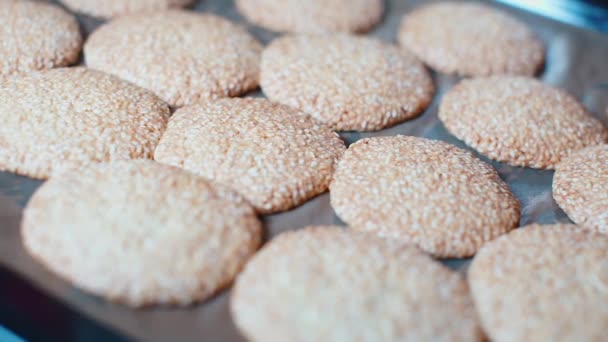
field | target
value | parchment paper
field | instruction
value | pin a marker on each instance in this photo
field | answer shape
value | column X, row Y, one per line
column 577, row 60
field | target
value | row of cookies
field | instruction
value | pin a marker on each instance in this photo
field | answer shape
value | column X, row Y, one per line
column 409, row 188
column 276, row 156
column 276, row 15
column 448, row 202
column 282, row 16
column 350, row 83
column 463, row 38
column 537, row 283
column 273, row 154
column 143, row 233
column 347, row 82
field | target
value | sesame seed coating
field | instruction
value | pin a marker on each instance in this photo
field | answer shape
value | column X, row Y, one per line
column 313, row 16
column 114, row 8
column 274, row 155
column 580, row 187
column 36, row 36
column 424, row 192
column 65, row 118
column 348, row 82
column 182, row 56
column 471, row 39
column 334, row 284
column 543, row 283
column 161, row 235
column 519, row 120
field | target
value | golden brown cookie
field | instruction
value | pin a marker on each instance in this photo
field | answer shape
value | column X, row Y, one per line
column 66, row 118
column 424, row 192
column 36, row 36
column 140, row 233
column 274, row 155
column 313, row 16
column 335, row 284
column 580, row 187
column 471, row 39
column 183, row 57
column 519, row 120
column 348, row 82
column 543, row 283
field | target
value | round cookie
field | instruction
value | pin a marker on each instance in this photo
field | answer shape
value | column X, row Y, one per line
column 580, row 187
column 424, row 192
column 313, row 16
column 36, row 36
column 112, row 8
column 334, row 284
column 65, row 118
column 161, row 235
column 275, row 156
column 519, row 120
column 471, row 39
column 543, row 283
column 182, row 56
column 348, row 82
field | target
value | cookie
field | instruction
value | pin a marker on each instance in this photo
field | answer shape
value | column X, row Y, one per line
column 334, row 284
column 313, row 16
column 471, row 39
column 348, row 82
column 275, row 156
column 519, row 120
column 580, row 187
column 543, row 283
column 424, row 192
column 161, row 235
column 113, row 8
column 36, row 36
column 68, row 117
column 182, row 56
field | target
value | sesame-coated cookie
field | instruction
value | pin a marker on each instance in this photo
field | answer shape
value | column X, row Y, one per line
column 543, row 283
column 182, row 56
column 335, row 284
column 313, row 16
column 64, row 118
column 274, row 155
column 140, row 233
column 580, row 187
column 36, row 36
column 519, row 120
column 471, row 39
column 113, row 8
column 424, row 192
column 348, row 82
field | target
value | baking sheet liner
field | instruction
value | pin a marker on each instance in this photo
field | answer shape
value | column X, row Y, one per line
column 577, row 60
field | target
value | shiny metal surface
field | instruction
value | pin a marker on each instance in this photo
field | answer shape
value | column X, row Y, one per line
column 591, row 14
column 576, row 61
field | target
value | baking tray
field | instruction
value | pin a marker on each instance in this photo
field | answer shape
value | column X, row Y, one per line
column 577, row 60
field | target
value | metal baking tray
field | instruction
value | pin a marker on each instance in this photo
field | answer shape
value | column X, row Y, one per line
column 577, row 60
